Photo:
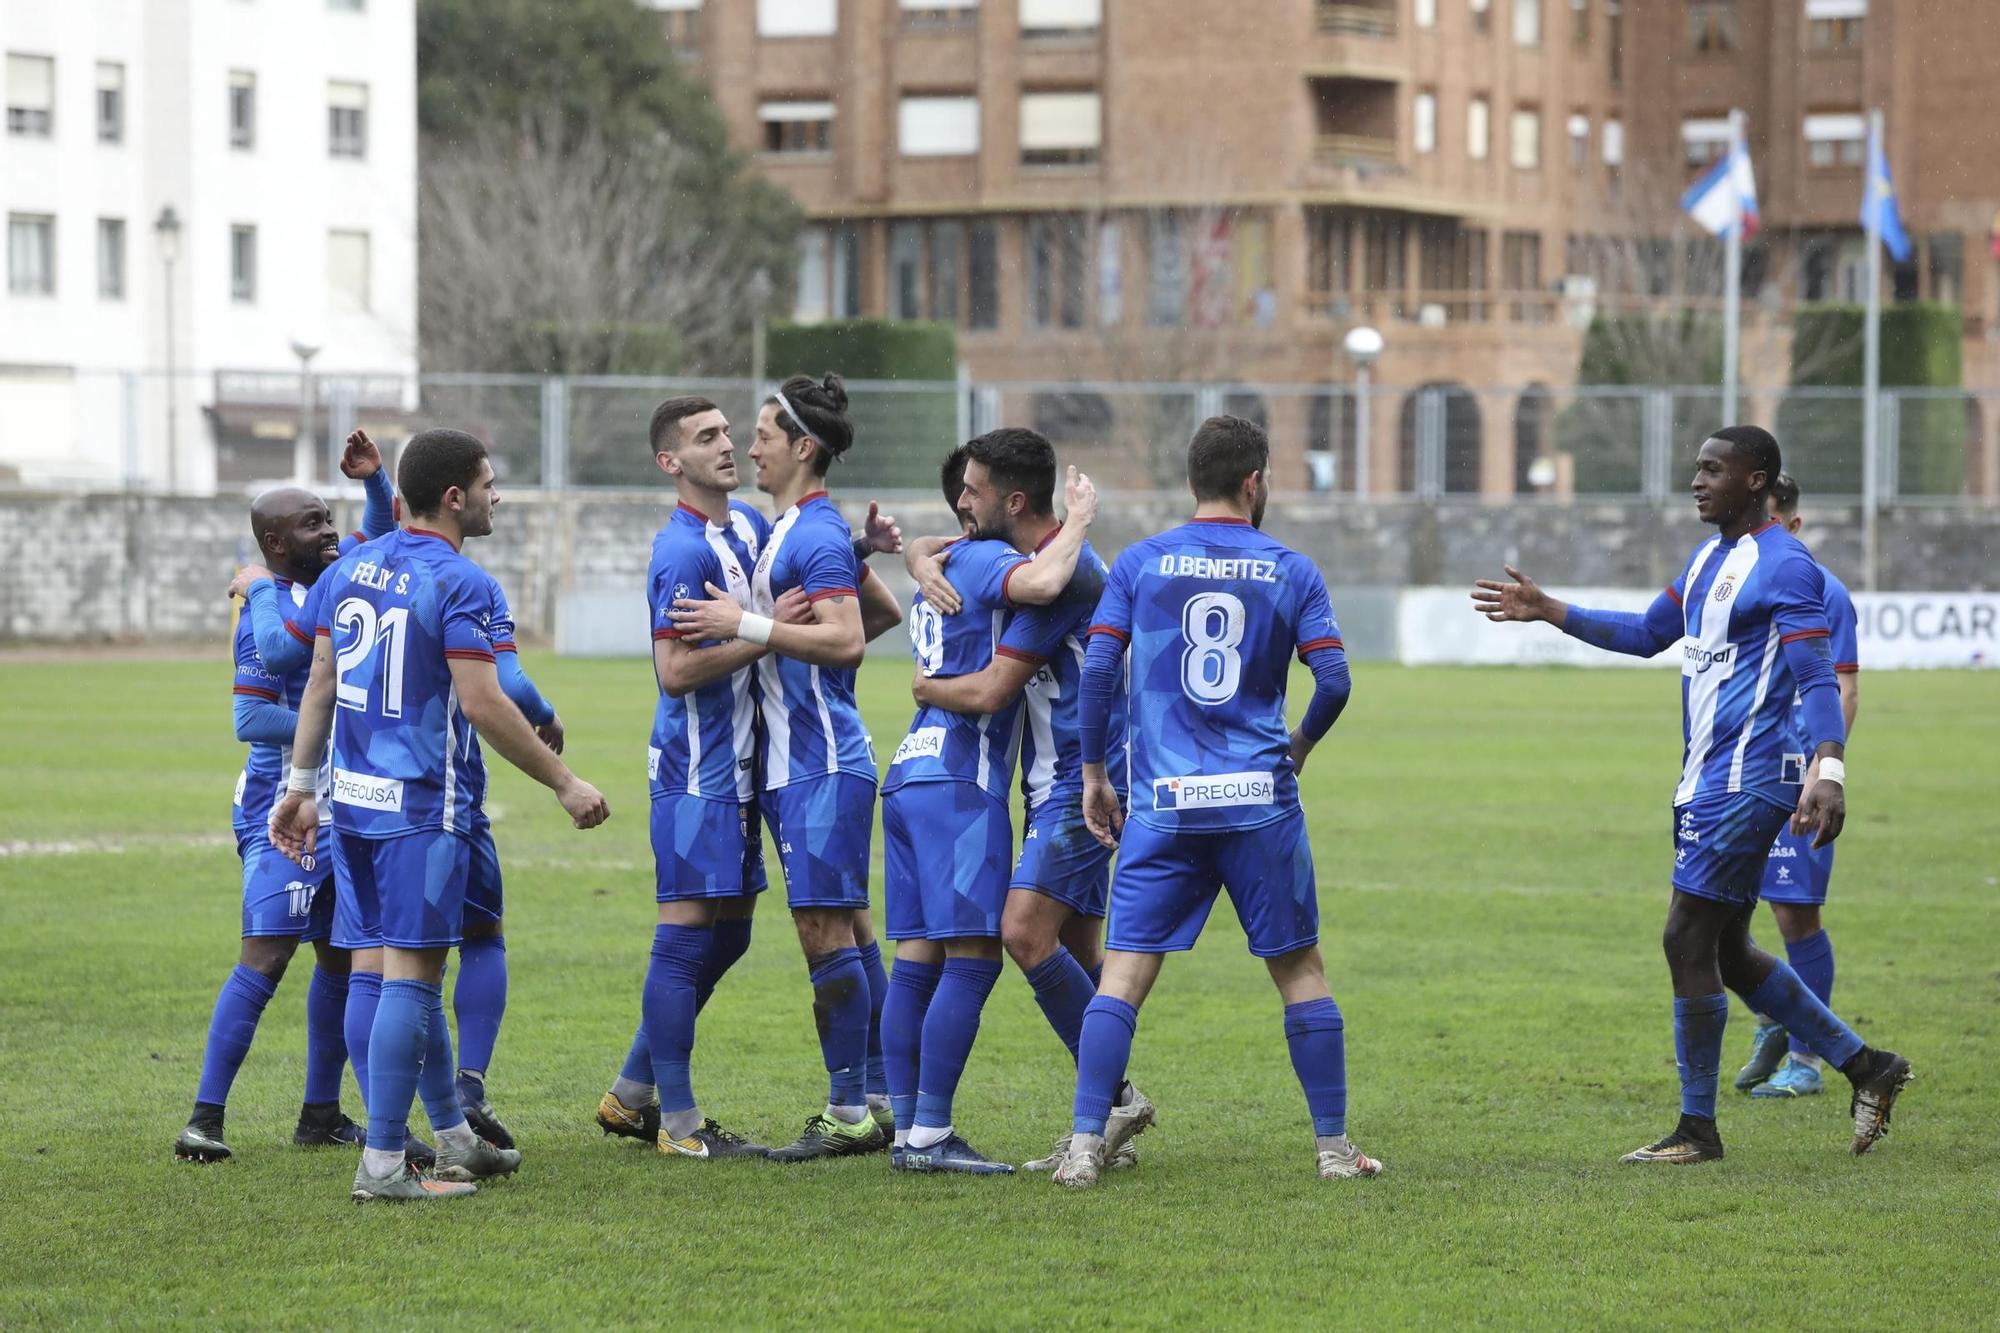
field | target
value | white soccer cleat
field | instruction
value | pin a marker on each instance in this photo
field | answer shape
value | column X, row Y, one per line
column 1351, row 1164
column 1124, row 1159
column 1127, row 1122
column 1083, row 1161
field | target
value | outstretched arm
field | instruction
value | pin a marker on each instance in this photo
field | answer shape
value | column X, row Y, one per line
column 833, row 638
column 362, row 462
column 1638, row 635
column 879, row 532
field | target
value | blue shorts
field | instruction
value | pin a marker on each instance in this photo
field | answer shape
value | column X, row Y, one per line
column 1165, row 885
column 1796, row 872
column 482, row 881
column 1720, row 845
column 282, row 897
column 705, row 849
column 406, row 892
column 1060, row 858
column 822, row 827
column 946, row 847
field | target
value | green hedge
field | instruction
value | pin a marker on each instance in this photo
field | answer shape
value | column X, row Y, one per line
column 900, row 435
column 863, row 349
column 1922, row 347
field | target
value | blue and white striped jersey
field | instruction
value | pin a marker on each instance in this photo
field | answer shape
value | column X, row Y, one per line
column 1053, row 637
column 404, row 756
column 811, row 724
column 1741, row 602
column 704, row 743
column 267, row 766
column 944, row 746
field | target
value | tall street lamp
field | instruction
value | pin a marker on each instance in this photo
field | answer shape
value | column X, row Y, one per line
column 305, row 349
column 1364, row 347
column 167, row 229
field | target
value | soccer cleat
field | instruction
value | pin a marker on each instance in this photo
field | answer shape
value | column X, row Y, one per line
column 711, row 1140
column 322, row 1125
column 953, row 1153
column 1124, row 1159
column 1684, row 1147
column 479, row 1112
column 405, row 1185
column 1127, row 1122
column 1080, row 1166
column 1767, row 1052
column 885, row 1120
column 1796, row 1079
column 631, row 1122
column 202, row 1141
column 420, row 1154
column 825, row 1136
column 1875, row 1096
column 1353, row 1164
column 481, row 1161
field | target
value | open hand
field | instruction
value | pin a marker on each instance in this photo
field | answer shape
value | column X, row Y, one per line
column 249, row 574
column 719, row 617
column 1103, row 815
column 361, row 459
column 295, row 824
column 1079, row 499
column 1521, row 599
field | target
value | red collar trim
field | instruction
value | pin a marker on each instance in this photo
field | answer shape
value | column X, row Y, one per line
column 1053, row 532
column 684, row 505
column 809, row 497
column 1239, row 522
column 1769, row 523
column 426, row 532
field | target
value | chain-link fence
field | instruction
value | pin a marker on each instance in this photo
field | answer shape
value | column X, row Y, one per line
column 230, row 431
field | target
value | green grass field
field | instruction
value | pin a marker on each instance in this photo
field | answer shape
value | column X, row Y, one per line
column 1492, row 851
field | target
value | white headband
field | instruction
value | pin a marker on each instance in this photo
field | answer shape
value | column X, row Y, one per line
column 800, row 422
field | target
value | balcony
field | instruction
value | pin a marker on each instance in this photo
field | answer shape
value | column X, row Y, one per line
column 1356, row 18
column 1354, row 150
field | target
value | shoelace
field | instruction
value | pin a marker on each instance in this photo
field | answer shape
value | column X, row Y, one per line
column 818, row 1124
column 722, row 1135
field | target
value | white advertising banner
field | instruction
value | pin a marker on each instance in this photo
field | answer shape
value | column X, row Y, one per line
column 1438, row 627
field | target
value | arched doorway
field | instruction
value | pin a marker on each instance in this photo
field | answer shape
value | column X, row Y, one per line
column 1534, row 410
column 1460, row 463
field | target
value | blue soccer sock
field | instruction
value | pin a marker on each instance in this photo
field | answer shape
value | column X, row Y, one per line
column 1101, row 1056
column 1063, row 990
column 840, row 1012
column 1315, row 1032
column 364, row 995
column 1785, row 997
column 436, row 1083
column 326, row 1036
column 396, row 1046
column 669, row 1008
column 1812, row 959
column 637, row 1071
column 231, row 1029
column 875, row 1076
column 911, row 987
column 951, row 1025
column 731, row 942
column 479, row 999
column 1698, row 1024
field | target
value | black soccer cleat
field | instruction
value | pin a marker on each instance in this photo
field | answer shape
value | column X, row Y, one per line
column 479, row 1113
column 1692, row 1141
column 202, row 1141
column 1875, row 1093
column 321, row 1125
column 825, row 1136
column 711, row 1140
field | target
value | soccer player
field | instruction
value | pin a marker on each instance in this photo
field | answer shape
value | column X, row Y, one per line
column 1054, row 909
column 1749, row 613
column 813, row 751
column 283, row 903
column 1211, row 613
column 947, row 838
column 405, row 652
column 1796, row 873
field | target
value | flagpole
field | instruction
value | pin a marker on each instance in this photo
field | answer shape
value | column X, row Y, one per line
column 1732, row 287
column 1871, row 375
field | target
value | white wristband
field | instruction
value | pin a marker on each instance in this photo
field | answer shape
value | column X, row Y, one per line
column 755, row 628
column 1833, row 770
column 304, row 780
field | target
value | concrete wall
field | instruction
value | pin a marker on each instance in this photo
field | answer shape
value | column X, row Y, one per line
column 95, row 567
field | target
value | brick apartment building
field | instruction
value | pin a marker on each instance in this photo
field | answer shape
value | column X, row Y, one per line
column 1173, row 190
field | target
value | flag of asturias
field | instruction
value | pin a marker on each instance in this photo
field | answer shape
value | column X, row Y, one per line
column 1726, row 196
column 1879, row 194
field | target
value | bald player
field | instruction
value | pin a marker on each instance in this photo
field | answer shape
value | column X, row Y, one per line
column 283, row 903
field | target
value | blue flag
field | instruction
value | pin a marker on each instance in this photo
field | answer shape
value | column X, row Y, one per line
column 1879, row 194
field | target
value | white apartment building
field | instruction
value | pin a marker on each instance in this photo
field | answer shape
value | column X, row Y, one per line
column 280, row 137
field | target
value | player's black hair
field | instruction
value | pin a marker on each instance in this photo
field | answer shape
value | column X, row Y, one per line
column 1757, row 447
column 433, row 462
column 821, row 405
column 952, row 477
column 1784, row 495
column 1019, row 460
column 1222, row 453
column 667, row 417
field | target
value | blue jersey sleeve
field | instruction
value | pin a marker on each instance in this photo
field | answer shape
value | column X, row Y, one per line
column 1315, row 627
column 1035, row 632
column 827, row 567
column 980, row 570
column 253, row 678
column 283, row 646
column 1845, row 627
column 514, row 680
column 1114, row 609
column 378, row 515
column 305, row 623
column 466, row 610
column 678, row 570
column 264, row 720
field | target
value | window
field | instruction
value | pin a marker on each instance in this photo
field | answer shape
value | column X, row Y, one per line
column 797, row 127
column 1527, row 22
column 31, row 254
column 347, row 270
column 1579, row 22
column 1424, row 122
column 906, row 270
column 1524, row 141
column 31, row 96
column 1482, row 15
column 1614, row 40
column 680, row 21
column 1711, row 26
column 828, row 260
column 1839, row 140
column 939, row 13
column 1521, row 271
column 1705, row 140
column 983, row 277
column 797, row 18
column 1059, row 128
column 347, row 119
column 242, row 109
column 1053, row 255
column 110, row 102
column 809, row 303
column 1047, row 18
column 1478, row 127
column 1614, row 142
column 111, row 259
column 1110, row 274
column 1426, row 13
column 1166, row 270
column 1835, row 25
column 937, row 126
column 1579, row 141
column 947, row 270
column 243, row 264
column 1947, row 268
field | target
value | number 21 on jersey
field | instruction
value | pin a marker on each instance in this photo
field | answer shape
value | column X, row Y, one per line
column 357, row 617
column 1211, row 666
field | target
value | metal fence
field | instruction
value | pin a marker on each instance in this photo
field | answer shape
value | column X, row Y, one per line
column 231, row 431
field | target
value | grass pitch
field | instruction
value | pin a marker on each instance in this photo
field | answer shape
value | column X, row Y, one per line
column 1492, row 850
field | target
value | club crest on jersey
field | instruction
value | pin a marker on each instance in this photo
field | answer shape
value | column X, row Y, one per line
column 1215, row 791
column 1725, row 586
